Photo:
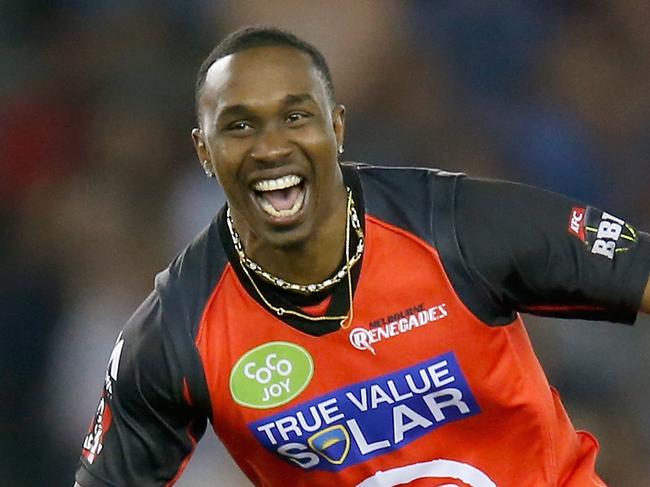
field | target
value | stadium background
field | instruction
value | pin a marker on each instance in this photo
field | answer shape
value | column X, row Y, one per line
column 99, row 185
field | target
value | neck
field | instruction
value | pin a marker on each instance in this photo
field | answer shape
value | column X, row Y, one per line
column 309, row 261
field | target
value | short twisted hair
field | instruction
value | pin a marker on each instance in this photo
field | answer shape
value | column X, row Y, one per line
column 262, row 36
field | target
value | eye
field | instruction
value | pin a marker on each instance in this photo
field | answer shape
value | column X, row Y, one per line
column 239, row 126
column 295, row 118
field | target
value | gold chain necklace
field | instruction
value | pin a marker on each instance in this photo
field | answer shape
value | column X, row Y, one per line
column 345, row 320
column 303, row 288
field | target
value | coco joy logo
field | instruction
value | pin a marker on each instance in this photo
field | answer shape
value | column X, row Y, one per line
column 271, row 375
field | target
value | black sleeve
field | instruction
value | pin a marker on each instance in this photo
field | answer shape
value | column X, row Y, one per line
column 535, row 251
column 145, row 427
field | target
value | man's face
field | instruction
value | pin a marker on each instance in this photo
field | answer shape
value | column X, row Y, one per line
column 271, row 135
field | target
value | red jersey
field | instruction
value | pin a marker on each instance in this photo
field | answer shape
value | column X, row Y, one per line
column 433, row 383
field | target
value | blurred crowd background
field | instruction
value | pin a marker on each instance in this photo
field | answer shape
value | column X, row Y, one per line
column 100, row 187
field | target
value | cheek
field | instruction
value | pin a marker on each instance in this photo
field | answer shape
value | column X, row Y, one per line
column 228, row 159
column 320, row 142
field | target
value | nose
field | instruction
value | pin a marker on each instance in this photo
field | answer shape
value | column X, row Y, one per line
column 271, row 146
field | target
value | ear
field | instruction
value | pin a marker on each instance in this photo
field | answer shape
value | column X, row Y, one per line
column 338, row 123
column 203, row 153
column 199, row 146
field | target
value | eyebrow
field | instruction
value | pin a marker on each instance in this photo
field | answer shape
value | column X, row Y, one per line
column 297, row 99
column 241, row 109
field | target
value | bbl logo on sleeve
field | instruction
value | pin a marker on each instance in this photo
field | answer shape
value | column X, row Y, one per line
column 602, row 233
column 271, row 375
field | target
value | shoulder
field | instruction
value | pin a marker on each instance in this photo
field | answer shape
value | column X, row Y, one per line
column 185, row 286
column 398, row 177
column 164, row 328
column 411, row 198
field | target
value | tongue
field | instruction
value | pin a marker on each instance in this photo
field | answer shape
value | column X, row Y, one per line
column 282, row 199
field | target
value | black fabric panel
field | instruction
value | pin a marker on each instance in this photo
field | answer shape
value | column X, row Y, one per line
column 86, row 479
column 422, row 202
column 152, row 428
column 517, row 243
column 185, row 287
column 401, row 196
column 469, row 289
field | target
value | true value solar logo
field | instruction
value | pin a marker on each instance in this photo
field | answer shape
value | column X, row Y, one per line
column 352, row 424
column 271, row 375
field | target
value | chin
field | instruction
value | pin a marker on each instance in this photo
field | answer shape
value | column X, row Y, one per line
column 287, row 239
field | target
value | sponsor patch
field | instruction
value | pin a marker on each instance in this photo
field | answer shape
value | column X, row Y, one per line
column 602, row 233
column 271, row 375
column 577, row 222
column 360, row 421
column 94, row 440
column 393, row 325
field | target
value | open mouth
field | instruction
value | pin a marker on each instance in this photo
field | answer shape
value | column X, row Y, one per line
column 280, row 197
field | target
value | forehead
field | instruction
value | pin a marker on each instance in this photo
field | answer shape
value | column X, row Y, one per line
column 260, row 76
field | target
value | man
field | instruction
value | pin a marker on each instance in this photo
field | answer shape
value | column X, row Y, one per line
column 343, row 324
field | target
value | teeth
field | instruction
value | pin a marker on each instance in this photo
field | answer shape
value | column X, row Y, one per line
column 267, row 207
column 278, row 183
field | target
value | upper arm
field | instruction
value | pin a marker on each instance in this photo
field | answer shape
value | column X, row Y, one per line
column 145, row 426
column 535, row 251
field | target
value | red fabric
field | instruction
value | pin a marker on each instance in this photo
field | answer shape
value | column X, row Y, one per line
column 522, row 436
column 319, row 308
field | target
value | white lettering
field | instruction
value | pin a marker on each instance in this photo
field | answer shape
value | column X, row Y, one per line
column 434, row 469
column 437, row 407
column 374, row 335
column 413, row 322
column 266, row 428
column 432, row 313
column 423, row 317
column 392, row 329
column 297, row 454
column 275, row 390
column 378, row 396
column 400, row 427
column 576, row 218
column 362, row 402
column 314, row 416
column 403, row 325
column 327, row 408
column 607, row 216
column 604, row 247
column 114, row 360
column 284, row 367
column 263, row 375
column 609, row 230
column 285, row 384
column 395, row 393
column 269, row 357
column 437, row 374
column 362, row 443
column 426, row 383
column 287, row 425
column 247, row 370
column 443, row 310
column 382, row 333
